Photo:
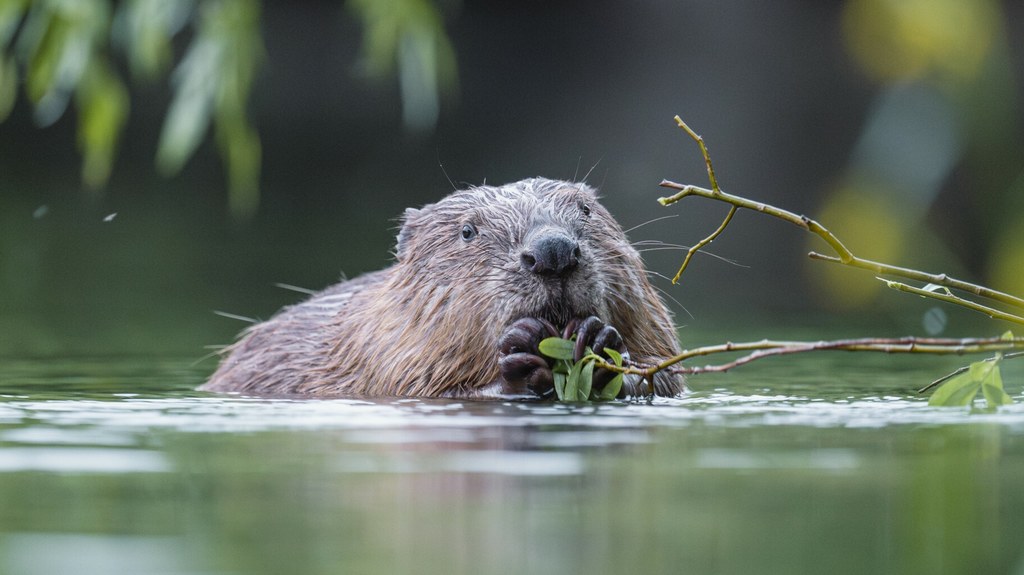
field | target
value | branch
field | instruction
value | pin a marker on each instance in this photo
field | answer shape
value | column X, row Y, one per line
column 771, row 348
column 956, row 300
column 844, row 255
column 938, row 279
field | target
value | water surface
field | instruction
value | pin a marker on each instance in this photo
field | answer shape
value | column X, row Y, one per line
column 831, row 464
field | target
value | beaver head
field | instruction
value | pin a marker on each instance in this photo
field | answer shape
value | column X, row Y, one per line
column 534, row 248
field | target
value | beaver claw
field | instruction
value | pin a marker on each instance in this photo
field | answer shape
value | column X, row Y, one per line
column 526, row 372
column 593, row 333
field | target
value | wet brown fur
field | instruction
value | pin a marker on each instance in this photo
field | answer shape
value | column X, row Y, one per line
column 429, row 324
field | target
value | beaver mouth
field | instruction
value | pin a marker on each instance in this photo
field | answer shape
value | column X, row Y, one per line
column 559, row 301
column 561, row 312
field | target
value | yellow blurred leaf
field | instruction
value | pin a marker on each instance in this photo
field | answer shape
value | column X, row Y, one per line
column 864, row 218
column 893, row 39
column 1006, row 261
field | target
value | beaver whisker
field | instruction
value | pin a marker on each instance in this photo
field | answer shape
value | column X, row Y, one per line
column 657, row 243
column 665, row 293
column 651, row 221
column 663, row 249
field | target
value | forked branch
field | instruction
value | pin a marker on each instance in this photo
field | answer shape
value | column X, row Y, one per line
column 843, row 254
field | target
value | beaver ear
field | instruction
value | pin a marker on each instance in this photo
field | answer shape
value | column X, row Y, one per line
column 409, row 222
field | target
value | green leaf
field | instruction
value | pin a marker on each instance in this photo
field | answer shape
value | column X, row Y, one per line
column 189, row 114
column 611, row 391
column 556, row 348
column 572, row 382
column 995, row 396
column 11, row 13
column 992, row 386
column 241, row 149
column 212, row 85
column 44, row 38
column 586, row 380
column 409, row 34
column 1008, row 335
column 560, row 385
column 59, row 40
column 562, row 367
column 959, row 390
column 103, row 109
column 614, row 355
column 149, row 26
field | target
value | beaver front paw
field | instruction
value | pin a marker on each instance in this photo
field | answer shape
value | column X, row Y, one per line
column 595, row 334
column 524, row 370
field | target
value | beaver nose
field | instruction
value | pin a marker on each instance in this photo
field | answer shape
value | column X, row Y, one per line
column 553, row 255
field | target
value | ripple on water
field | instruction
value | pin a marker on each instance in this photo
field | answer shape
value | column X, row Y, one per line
column 414, row 420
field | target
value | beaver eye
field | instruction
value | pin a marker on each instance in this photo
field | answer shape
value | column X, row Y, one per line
column 468, row 232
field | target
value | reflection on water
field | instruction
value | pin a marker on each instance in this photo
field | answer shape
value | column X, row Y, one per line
column 120, row 467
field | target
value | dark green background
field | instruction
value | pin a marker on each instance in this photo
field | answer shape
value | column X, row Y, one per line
column 558, row 89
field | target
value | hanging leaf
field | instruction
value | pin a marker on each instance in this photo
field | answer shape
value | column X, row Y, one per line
column 148, row 26
column 240, row 148
column 60, row 40
column 102, row 110
column 212, row 85
column 409, row 34
column 188, row 117
column 11, row 13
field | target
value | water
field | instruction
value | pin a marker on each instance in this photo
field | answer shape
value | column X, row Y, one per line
column 830, row 464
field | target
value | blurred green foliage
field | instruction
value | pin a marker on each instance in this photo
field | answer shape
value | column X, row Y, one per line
column 409, row 34
column 64, row 51
column 944, row 114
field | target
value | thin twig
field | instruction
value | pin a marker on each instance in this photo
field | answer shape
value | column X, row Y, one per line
column 938, row 279
column 956, row 300
column 703, row 151
column 696, row 247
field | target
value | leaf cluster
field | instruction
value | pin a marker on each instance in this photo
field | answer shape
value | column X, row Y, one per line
column 574, row 380
column 64, row 52
column 963, row 386
column 980, row 377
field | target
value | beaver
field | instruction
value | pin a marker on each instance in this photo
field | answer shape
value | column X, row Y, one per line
column 479, row 279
